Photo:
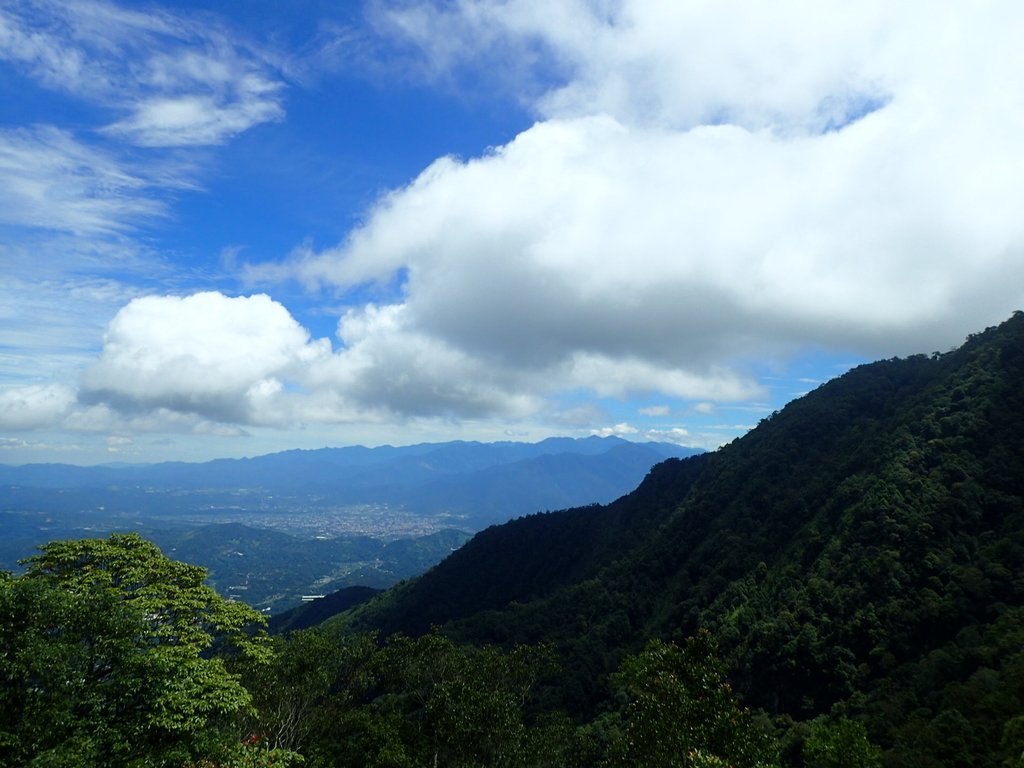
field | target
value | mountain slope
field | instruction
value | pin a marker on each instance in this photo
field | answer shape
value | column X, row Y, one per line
column 859, row 552
column 313, row 613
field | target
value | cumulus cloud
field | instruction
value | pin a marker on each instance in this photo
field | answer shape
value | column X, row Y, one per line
column 208, row 363
column 706, row 184
column 621, row 429
column 222, row 358
column 388, row 365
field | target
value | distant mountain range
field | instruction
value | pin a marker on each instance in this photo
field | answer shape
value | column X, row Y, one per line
column 274, row 527
column 478, row 483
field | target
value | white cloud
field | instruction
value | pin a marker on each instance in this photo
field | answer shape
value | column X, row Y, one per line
column 655, row 410
column 622, row 376
column 386, row 366
column 102, row 419
column 198, row 119
column 119, row 443
column 678, row 65
column 35, row 405
column 677, row 435
column 178, row 80
column 707, row 184
column 617, row 430
column 19, row 446
column 50, row 180
column 705, row 437
column 224, row 359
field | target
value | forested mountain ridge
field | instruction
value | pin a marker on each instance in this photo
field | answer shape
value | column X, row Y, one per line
column 860, row 552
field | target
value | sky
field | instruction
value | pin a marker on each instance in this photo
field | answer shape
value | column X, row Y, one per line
column 229, row 229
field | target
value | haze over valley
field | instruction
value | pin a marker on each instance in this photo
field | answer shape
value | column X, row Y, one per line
column 273, row 528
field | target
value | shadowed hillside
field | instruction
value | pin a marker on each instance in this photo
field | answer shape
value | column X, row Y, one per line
column 860, row 552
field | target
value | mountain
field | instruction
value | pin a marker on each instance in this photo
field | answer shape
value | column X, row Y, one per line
column 336, row 469
column 497, row 493
column 478, row 483
column 273, row 528
column 859, row 553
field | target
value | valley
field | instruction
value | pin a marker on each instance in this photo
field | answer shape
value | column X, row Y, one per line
column 274, row 528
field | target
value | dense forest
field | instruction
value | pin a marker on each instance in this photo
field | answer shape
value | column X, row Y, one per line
column 840, row 587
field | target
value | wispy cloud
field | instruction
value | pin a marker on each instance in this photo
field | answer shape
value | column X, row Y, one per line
column 50, row 180
column 655, row 410
column 176, row 80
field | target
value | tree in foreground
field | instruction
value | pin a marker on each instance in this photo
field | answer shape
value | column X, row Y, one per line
column 106, row 658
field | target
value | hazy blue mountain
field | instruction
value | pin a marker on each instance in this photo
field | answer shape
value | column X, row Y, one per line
column 479, row 483
column 554, row 481
column 324, row 468
column 273, row 527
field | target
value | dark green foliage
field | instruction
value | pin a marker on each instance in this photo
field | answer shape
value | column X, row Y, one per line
column 307, row 691
column 347, row 701
column 60, row 664
column 1013, row 742
column 859, row 553
column 458, row 706
column 681, row 712
column 318, row 611
column 840, row 744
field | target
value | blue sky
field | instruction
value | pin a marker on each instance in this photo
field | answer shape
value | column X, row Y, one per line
column 233, row 228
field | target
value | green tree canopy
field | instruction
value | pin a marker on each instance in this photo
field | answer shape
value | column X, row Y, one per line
column 840, row 744
column 105, row 657
column 681, row 712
